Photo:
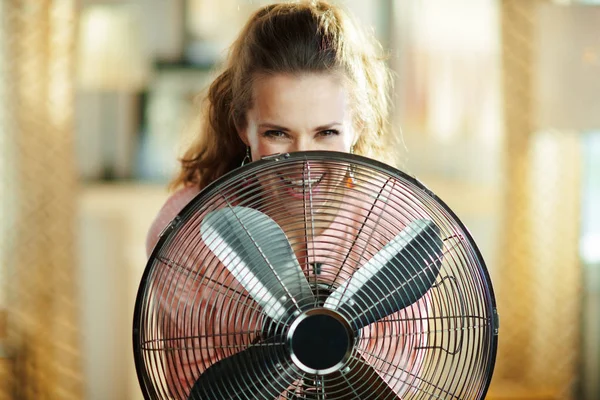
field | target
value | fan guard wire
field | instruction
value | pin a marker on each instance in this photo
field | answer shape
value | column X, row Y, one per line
column 191, row 312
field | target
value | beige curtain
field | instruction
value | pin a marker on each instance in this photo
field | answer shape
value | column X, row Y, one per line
column 512, row 178
column 38, row 190
column 538, row 275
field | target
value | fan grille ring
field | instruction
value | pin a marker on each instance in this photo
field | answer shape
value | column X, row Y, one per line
column 321, row 353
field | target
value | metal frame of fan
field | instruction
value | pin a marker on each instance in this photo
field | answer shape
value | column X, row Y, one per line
column 315, row 275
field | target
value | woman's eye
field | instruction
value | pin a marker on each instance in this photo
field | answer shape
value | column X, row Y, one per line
column 275, row 134
column 329, row 132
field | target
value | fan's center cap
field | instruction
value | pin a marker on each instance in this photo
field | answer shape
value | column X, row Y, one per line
column 320, row 341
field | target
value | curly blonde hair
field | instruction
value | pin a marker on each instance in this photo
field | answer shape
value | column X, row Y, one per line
column 291, row 38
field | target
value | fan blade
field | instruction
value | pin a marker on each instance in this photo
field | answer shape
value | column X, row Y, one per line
column 259, row 372
column 358, row 380
column 397, row 276
column 257, row 252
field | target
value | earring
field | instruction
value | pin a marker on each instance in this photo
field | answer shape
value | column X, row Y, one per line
column 350, row 181
column 247, row 158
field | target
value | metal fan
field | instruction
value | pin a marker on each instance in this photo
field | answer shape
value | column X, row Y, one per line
column 315, row 275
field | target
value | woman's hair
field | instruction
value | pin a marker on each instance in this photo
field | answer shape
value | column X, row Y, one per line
column 290, row 38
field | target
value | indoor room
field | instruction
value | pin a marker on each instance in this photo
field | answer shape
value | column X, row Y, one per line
column 494, row 107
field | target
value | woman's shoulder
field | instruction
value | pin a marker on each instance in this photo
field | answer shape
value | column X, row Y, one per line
column 174, row 204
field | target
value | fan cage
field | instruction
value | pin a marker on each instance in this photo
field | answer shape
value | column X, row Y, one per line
column 442, row 346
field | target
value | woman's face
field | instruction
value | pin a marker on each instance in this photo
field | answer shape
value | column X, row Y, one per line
column 300, row 113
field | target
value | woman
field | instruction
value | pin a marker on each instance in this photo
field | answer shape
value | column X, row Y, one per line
column 301, row 76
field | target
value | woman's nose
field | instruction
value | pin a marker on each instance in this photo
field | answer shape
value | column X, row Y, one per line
column 304, row 145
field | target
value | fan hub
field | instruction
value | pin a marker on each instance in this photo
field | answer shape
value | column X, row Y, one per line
column 320, row 341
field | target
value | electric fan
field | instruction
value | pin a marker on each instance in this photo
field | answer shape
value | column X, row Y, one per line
column 315, row 275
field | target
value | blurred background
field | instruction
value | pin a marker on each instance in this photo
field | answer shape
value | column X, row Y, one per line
column 497, row 101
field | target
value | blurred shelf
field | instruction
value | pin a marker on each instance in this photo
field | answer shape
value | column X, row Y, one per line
column 509, row 390
column 129, row 206
column 130, row 190
column 113, row 220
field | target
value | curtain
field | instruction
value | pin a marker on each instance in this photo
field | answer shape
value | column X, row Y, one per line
column 539, row 276
column 469, row 90
column 38, row 189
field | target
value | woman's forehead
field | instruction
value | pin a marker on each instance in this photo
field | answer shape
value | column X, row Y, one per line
column 313, row 96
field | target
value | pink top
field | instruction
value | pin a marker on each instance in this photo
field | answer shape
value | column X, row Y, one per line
column 169, row 210
column 396, row 343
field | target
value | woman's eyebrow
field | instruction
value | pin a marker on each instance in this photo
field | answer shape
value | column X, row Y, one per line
column 327, row 126
column 267, row 125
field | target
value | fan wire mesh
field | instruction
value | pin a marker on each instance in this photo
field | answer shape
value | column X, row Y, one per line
column 192, row 311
